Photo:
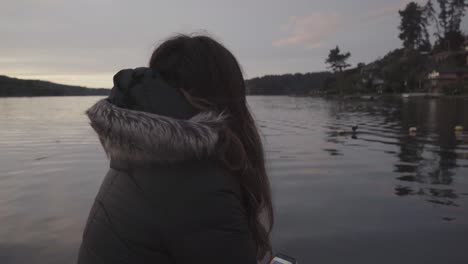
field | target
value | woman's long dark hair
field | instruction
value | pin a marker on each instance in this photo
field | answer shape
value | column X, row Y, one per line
column 211, row 78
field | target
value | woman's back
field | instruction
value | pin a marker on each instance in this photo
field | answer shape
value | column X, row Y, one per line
column 168, row 213
column 187, row 180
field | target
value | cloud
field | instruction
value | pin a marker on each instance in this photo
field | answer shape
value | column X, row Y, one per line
column 310, row 30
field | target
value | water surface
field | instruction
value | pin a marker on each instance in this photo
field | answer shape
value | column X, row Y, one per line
column 381, row 195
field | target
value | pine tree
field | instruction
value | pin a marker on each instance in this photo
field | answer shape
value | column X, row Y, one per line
column 413, row 27
column 337, row 60
column 450, row 36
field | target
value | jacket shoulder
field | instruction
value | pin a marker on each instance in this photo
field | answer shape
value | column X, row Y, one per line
column 194, row 194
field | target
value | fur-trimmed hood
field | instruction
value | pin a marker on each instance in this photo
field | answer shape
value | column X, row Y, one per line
column 127, row 134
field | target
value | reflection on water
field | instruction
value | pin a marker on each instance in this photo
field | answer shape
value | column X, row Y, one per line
column 432, row 157
column 375, row 193
column 427, row 159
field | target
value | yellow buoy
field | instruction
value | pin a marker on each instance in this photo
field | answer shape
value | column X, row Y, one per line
column 340, row 131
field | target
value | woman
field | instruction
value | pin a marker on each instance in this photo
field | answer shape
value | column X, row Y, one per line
column 187, row 180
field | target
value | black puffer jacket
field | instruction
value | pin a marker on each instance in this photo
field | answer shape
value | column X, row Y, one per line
column 166, row 198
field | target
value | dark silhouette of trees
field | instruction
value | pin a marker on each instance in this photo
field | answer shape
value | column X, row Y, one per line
column 448, row 21
column 295, row 84
column 337, row 60
column 443, row 16
column 416, row 19
column 456, row 12
column 430, row 12
column 17, row 87
column 413, row 27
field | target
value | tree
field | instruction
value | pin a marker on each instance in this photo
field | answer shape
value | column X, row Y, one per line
column 413, row 27
column 443, row 16
column 450, row 36
column 337, row 60
column 456, row 13
column 430, row 12
column 430, row 15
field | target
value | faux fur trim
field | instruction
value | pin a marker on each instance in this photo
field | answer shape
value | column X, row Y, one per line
column 142, row 136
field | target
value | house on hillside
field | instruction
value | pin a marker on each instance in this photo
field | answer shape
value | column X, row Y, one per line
column 443, row 56
column 440, row 78
column 465, row 45
column 378, row 85
column 370, row 78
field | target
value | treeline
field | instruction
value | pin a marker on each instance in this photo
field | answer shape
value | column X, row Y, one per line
column 406, row 69
column 290, row 84
column 10, row 87
column 443, row 18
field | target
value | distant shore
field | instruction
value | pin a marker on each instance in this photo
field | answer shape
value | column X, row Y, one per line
column 13, row 87
column 53, row 95
column 296, row 85
column 369, row 97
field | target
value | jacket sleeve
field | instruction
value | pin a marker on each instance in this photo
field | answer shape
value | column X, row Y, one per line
column 210, row 228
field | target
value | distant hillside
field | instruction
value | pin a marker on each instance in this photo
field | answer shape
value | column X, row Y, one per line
column 288, row 84
column 17, row 87
column 405, row 71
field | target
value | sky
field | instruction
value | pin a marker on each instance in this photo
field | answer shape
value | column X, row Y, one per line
column 85, row 42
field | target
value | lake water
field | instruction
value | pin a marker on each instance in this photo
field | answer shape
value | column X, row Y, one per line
column 381, row 195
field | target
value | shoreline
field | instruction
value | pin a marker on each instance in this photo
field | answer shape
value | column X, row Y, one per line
column 369, row 96
column 51, row 95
